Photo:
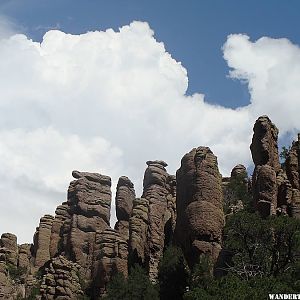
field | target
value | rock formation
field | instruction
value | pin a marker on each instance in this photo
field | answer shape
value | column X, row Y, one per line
column 111, row 256
column 9, row 249
column 125, row 196
column 264, row 152
column 61, row 280
column 41, row 241
column 292, row 165
column 275, row 189
column 200, row 217
column 60, row 229
column 75, row 254
column 234, row 187
column 153, row 217
column 89, row 200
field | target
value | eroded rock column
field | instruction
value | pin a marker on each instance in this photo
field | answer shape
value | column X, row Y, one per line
column 125, row 196
column 200, row 217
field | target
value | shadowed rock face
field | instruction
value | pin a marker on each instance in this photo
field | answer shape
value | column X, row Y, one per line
column 125, row 196
column 200, row 217
column 111, row 255
column 57, row 241
column 293, row 175
column 153, row 217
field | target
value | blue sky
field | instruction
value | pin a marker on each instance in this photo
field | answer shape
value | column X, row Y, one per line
column 193, row 31
column 101, row 93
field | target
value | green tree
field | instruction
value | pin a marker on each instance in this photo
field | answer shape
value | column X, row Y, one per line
column 173, row 274
column 136, row 287
column 261, row 247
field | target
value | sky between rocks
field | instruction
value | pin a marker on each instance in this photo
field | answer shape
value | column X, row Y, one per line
column 108, row 101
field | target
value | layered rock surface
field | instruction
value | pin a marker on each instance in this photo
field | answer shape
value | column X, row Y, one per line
column 125, row 196
column 275, row 188
column 111, row 256
column 61, row 280
column 153, row 217
column 200, row 217
column 293, row 174
column 264, row 152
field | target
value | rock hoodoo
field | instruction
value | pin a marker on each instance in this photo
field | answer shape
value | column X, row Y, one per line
column 76, row 253
column 125, row 196
column 275, row 187
column 264, row 152
column 200, row 217
column 153, row 217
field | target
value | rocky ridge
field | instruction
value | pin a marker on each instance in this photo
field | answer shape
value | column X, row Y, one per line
column 76, row 253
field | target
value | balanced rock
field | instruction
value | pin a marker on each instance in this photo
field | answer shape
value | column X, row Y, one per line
column 199, row 202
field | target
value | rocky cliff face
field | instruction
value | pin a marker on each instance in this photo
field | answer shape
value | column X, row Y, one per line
column 200, row 217
column 76, row 253
column 292, row 165
column 264, row 152
column 153, row 218
column 275, row 188
column 125, row 196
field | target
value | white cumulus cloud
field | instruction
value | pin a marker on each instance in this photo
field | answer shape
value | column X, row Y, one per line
column 108, row 101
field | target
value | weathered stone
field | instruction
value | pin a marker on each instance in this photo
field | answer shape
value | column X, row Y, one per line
column 62, row 216
column 24, row 256
column 159, row 192
column 138, row 227
column 124, row 202
column 111, row 255
column 53, row 287
column 264, row 148
column 41, row 241
column 232, row 188
column 89, row 200
column 265, row 190
column 199, row 202
column 9, row 248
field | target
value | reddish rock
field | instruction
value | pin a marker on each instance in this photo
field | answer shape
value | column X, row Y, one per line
column 264, row 152
column 153, row 218
column 41, row 241
column 9, row 248
column 125, row 196
column 111, row 255
column 199, row 202
column 264, row 148
column 58, row 230
column 89, row 200
column 61, row 280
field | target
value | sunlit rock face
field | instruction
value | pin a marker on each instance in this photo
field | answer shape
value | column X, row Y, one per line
column 199, row 205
